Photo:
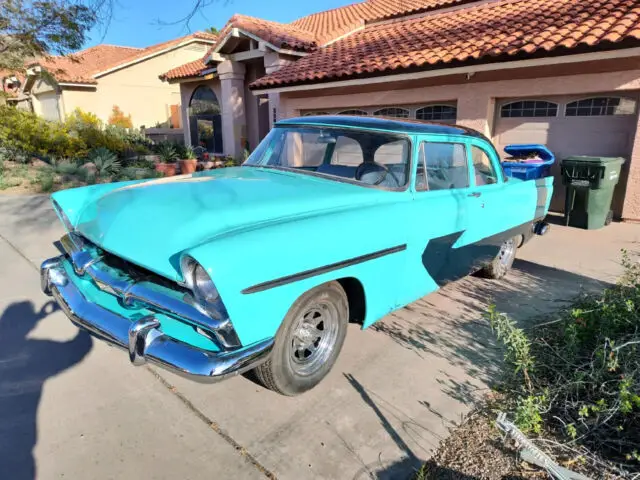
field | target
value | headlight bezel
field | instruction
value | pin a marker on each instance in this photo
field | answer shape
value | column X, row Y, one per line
column 206, row 295
column 64, row 218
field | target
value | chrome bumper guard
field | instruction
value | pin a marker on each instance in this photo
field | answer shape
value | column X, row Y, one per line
column 143, row 339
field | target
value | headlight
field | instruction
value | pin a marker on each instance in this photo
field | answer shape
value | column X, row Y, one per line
column 203, row 286
column 197, row 279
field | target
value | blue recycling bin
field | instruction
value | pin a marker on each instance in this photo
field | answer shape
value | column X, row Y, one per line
column 526, row 170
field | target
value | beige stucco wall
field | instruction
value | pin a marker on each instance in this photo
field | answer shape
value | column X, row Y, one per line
column 476, row 104
column 136, row 89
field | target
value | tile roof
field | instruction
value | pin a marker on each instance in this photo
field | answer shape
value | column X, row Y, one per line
column 331, row 24
column 190, row 69
column 498, row 29
column 81, row 67
column 280, row 35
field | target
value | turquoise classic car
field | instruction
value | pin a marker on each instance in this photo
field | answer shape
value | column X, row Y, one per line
column 261, row 267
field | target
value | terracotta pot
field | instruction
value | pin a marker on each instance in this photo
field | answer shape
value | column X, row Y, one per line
column 188, row 165
column 168, row 169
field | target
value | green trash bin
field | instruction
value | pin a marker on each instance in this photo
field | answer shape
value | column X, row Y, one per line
column 590, row 183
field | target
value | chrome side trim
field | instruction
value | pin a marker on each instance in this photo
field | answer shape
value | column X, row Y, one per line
column 144, row 339
column 150, row 294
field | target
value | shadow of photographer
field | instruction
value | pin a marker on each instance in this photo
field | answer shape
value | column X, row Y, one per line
column 25, row 365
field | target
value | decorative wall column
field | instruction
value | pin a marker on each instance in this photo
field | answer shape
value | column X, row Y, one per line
column 631, row 206
column 476, row 110
column 274, row 62
column 232, row 101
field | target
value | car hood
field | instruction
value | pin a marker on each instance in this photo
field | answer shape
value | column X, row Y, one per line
column 153, row 222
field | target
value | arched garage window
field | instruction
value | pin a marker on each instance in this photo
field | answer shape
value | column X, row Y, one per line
column 205, row 122
column 529, row 108
column 437, row 112
column 392, row 112
column 354, row 112
column 601, row 106
column 309, row 114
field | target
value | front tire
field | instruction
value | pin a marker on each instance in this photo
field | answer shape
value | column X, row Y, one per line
column 503, row 262
column 308, row 341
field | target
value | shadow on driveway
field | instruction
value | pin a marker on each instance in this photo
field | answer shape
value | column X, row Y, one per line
column 25, row 364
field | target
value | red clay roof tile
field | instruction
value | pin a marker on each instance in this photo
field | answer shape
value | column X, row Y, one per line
column 280, row 35
column 475, row 32
column 331, row 24
column 81, row 67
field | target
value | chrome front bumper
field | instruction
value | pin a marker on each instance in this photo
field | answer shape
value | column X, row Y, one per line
column 143, row 338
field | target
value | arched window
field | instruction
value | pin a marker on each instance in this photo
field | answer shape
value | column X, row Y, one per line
column 392, row 112
column 204, row 101
column 529, row 108
column 437, row 112
column 310, row 114
column 205, row 122
column 354, row 112
column 601, row 106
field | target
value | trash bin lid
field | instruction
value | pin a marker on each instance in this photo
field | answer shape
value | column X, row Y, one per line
column 585, row 159
column 517, row 150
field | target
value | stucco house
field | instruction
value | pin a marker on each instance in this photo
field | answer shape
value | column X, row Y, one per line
column 100, row 77
column 565, row 73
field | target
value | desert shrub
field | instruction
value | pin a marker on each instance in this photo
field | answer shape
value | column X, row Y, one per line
column 67, row 168
column 45, row 181
column 119, row 119
column 106, row 162
column 578, row 375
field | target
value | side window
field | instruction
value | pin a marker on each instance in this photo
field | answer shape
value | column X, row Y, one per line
column 446, row 166
column 421, row 172
column 483, row 169
column 347, row 151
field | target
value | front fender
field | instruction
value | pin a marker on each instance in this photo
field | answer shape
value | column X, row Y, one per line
column 238, row 262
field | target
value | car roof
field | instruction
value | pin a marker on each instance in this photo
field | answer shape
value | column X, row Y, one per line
column 399, row 125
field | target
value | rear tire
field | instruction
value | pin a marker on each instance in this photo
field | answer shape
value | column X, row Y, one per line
column 503, row 262
column 308, row 342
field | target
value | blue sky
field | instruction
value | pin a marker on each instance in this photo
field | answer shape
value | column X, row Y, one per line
column 136, row 22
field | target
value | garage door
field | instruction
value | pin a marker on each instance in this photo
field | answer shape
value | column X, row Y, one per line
column 601, row 125
column 436, row 112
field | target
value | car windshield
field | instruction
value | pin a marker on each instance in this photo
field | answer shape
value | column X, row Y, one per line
column 364, row 157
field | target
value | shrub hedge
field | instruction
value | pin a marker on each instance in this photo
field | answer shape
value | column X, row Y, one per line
column 24, row 135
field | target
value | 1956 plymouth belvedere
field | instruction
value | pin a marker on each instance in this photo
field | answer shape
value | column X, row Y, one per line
column 331, row 220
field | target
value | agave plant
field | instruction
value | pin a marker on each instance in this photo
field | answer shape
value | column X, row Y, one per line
column 189, row 153
column 106, row 162
column 167, row 153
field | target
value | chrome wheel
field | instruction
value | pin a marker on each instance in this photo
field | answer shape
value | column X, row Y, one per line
column 507, row 252
column 314, row 339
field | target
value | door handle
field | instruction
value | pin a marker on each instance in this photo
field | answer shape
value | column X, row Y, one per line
column 475, row 194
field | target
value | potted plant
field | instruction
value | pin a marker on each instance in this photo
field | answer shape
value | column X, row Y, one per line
column 168, row 157
column 189, row 162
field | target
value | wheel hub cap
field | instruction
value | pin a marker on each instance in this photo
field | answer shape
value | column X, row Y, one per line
column 314, row 339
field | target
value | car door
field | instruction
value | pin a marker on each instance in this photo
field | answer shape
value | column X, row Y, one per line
column 490, row 207
column 439, row 219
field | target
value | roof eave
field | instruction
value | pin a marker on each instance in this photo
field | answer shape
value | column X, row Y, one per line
column 443, row 71
column 152, row 55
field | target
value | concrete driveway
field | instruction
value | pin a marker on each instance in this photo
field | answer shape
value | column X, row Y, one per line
column 74, row 408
